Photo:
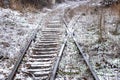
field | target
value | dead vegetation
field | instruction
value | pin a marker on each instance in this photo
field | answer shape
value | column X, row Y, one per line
column 29, row 4
column 117, row 23
column 22, row 4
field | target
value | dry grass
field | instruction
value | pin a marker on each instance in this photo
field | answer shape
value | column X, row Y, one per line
column 22, row 5
column 15, row 5
column 1, row 2
column 115, row 8
column 26, row 4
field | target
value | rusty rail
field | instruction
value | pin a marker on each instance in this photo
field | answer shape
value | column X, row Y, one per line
column 84, row 55
column 23, row 52
column 53, row 75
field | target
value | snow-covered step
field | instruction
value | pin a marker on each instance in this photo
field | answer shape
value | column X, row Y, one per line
column 46, row 42
column 51, row 32
column 34, row 70
column 43, row 56
column 46, row 46
column 53, row 38
column 54, row 21
column 43, row 73
column 49, row 44
column 43, row 39
column 39, row 53
column 50, row 37
column 56, row 27
column 33, row 66
column 54, row 24
column 39, row 63
column 41, row 59
column 53, row 29
column 42, row 78
column 43, row 48
column 50, row 52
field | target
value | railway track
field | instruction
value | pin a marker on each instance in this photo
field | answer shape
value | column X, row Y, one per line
column 83, row 60
column 45, row 55
column 45, row 51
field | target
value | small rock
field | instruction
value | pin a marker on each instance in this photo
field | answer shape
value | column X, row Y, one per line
column 21, row 33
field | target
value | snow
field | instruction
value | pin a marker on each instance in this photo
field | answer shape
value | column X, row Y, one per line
column 15, row 27
column 86, row 30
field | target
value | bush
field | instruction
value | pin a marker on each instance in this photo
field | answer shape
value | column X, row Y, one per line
column 1, row 3
column 20, row 4
column 109, row 2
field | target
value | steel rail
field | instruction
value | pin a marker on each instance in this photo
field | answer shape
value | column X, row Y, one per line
column 23, row 52
column 86, row 59
column 82, row 53
column 53, row 74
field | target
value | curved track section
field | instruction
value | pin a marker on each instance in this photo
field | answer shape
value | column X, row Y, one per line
column 84, row 60
column 44, row 55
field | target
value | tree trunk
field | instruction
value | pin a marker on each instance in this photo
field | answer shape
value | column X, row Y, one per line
column 6, row 3
column 100, row 27
column 1, row 3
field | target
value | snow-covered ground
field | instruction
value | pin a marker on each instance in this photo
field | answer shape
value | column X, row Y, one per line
column 15, row 27
column 103, row 55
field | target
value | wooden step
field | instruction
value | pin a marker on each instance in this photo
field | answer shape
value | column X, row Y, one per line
column 41, row 59
column 34, row 70
column 49, row 44
column 43, row 56
column 39, row 63
column 40, row 66
column 41, row 74
column 44, row 49
column 46, row 53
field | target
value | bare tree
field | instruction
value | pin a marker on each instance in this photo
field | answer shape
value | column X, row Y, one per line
column 101, row 25
column 6, row 3
column 115, row 32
